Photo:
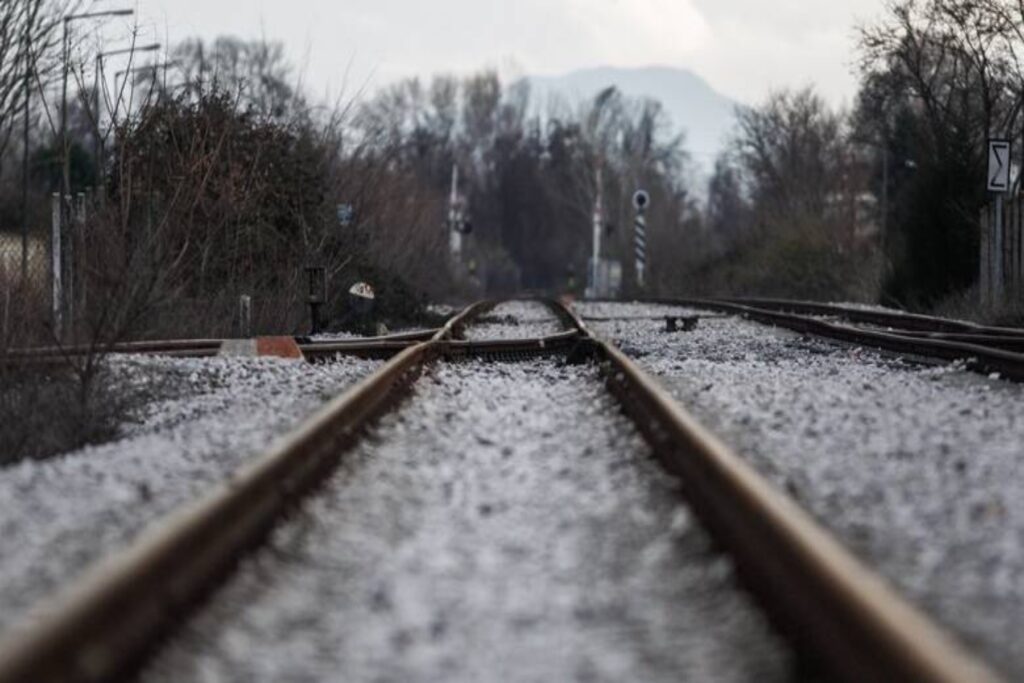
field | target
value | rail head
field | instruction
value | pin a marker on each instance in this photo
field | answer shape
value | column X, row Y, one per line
column 453, row 328
column 977, row 357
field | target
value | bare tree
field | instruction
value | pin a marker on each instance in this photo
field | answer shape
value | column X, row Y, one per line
column 29, row 51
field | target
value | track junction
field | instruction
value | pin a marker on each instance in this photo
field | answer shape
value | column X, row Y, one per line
column 832, row 608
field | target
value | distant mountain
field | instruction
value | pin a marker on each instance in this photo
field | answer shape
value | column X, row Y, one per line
column 704, row 115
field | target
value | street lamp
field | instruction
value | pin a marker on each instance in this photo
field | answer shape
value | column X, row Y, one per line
column 66, row 298
column 154, row 68
column 66, row 48
column 96, row 92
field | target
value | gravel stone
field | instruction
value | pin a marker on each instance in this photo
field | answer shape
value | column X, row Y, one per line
column 916, row 468
column 61, row 514
column 496, row 528
column 515, row 320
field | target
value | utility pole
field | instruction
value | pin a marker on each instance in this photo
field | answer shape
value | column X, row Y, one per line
column 25, row 145
column 66, row 253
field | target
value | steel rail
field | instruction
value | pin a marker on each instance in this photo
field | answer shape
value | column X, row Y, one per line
column 895, row 319
column 410, row 336
column 203, row 347
column 105, row 623
column 982, row 359
column 453, row 328
column 829, row 603
column 318, row 353
column 1010, row 343
column 163, row 346
column 511, row 348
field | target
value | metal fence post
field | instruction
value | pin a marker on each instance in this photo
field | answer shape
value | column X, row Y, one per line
column 57, row 291
column 245, row 316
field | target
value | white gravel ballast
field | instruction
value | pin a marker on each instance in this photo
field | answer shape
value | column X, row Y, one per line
column 60, row 515
column 515, row 320
column 506, row 524
column 917, row 469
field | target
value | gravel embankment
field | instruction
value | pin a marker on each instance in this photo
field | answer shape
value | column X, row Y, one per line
column 916, row 468
column 60, row 515
column 506, row 525
column 515, row 320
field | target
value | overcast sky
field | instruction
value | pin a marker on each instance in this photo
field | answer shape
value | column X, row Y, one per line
column 743, row 48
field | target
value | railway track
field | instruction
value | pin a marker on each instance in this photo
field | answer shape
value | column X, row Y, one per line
column 383, row 346
column 833, row 608
column 884, row 319
column 985, row 350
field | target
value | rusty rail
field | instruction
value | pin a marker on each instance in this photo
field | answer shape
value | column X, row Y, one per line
column 200, row 348
column 985, row 359
column 103, row 626
column 894, row 319
column 832, row 606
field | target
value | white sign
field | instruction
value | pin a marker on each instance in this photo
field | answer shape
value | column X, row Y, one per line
column 998, row 165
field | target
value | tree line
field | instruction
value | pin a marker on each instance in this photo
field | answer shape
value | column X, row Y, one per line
column 216, row 176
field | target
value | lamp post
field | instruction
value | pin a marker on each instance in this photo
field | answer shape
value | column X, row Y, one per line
column 142, row 69
column 66, row 294
column 66, row 179
column 98, row 152
column 25, row 144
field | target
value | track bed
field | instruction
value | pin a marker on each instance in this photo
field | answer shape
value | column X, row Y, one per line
column 917, row 469
column 507, row 523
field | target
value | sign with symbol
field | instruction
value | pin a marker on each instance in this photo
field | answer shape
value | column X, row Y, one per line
column 346, row 214
column 998, row 165
column 641, row 200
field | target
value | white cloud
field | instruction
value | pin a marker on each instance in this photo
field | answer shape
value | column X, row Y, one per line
column 744, row 47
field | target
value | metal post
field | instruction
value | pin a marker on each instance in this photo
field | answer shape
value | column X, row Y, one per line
column 65, row 188
column 56, row 213
column 97, row 152
column 245, row 316
column 25, row 150
column 76, row 232
column 596, row 286
column 885, row 192
column 997, row 288
column 640, row 247
column 454, row 232
column 641, row 202
column 317, row 296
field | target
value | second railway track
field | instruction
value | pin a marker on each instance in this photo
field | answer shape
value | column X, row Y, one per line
column 832, row 607
column 982, row 349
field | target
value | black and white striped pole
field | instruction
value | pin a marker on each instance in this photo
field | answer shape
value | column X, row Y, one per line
column 641, row 200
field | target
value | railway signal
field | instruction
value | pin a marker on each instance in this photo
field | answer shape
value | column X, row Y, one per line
column 641, row 202
column 458, row 220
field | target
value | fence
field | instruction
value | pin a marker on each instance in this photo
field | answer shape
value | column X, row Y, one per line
column 1001, row 261
column 24, row 280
